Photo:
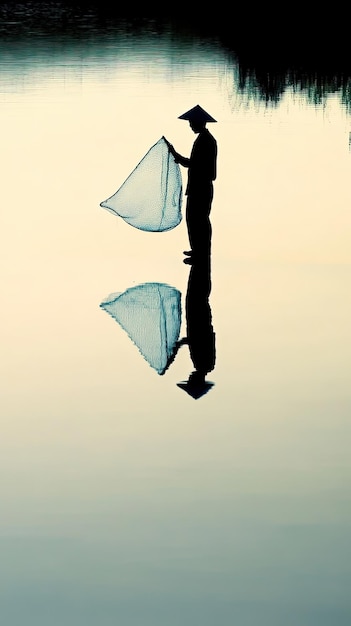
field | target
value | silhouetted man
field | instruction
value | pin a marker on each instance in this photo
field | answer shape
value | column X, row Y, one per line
column 202, row 171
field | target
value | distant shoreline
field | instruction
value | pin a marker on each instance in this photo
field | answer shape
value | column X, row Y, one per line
column 294, row 37
column 299, row 48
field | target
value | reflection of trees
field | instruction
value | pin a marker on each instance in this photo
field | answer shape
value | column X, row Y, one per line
column 273, row 53
column 270, row 50
column 265, row 84
column 262, row 78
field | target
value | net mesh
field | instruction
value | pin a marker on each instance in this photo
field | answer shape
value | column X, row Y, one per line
column 151, row 316
column 151, row 197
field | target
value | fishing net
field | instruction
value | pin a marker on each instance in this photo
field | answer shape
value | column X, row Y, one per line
column 151, row 197
column 151, row 316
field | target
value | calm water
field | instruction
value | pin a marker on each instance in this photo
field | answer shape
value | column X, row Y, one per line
column 124, row 500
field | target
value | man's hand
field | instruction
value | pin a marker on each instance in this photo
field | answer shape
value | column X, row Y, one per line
column 170, row 147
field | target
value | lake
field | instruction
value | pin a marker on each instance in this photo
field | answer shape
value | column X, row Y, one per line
column 124, row 499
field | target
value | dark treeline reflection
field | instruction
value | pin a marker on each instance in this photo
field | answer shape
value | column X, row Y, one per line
column 274, row 49
column 271, row 49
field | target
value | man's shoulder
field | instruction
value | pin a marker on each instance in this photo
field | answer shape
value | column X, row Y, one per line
column 207, row 137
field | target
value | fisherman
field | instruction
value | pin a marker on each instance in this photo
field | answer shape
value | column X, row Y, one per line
column 202, row 171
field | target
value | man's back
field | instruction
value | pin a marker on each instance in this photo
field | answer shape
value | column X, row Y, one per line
column 203, row 162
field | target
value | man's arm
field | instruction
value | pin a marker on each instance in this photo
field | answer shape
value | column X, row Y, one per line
column 184, row 161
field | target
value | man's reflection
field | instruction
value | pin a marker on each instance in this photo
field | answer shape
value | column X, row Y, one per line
column 200, row 335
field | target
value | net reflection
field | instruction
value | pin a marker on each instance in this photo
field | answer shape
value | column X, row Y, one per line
column 151, row 316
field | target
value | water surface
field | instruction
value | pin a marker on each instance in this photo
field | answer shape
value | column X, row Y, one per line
column 124, row 500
